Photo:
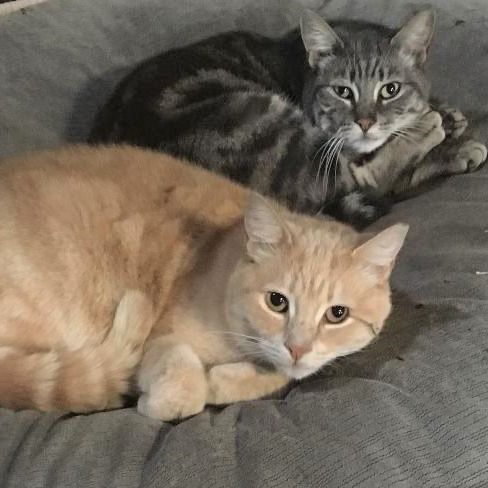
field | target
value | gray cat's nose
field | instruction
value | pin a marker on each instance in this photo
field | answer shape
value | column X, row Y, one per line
column 365, row 123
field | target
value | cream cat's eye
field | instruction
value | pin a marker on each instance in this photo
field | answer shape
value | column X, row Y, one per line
column 276, row 302
column 390, row 90
column 336, row 314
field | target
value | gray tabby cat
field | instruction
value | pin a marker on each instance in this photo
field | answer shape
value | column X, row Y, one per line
column 331, row 121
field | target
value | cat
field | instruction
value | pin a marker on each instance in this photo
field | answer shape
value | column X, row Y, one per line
column 124, row 271
column 335, row 120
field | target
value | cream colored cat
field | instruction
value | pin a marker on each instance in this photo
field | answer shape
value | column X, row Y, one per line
column 119, row 264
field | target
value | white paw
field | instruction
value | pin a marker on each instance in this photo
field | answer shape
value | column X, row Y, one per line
column 471, row 155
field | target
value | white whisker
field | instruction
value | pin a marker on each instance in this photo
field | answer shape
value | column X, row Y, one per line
column 336, row 165
column 333, row 159
column 323, row 157
column 330, row 155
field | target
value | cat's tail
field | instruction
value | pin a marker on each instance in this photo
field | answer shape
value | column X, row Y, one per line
column 358, row 208
column 94, row 377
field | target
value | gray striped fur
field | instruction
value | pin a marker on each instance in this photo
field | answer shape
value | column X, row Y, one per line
column 264, row 111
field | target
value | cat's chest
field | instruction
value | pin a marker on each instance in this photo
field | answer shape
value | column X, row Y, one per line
column 204, row 332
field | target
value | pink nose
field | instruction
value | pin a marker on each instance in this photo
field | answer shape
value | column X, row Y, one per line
column 365, row 123
column 296, row 351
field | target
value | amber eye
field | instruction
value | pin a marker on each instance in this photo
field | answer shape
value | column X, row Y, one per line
column 277, row 302
column 343, row 92
column 390, row 90
column 336, row 314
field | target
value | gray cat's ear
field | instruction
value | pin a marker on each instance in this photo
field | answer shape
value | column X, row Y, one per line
column 381, row 250
column 318, row 37
column 415, row 37
column 263, row 225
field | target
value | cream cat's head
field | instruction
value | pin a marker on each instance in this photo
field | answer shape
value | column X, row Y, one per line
column 309, row 290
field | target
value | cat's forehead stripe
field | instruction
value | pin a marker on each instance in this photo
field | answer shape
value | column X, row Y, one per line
column 319, row 265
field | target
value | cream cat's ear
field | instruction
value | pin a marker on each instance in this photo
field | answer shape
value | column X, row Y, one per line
column 318, row 36
column 415, row 37
column 381, row 250
column 264, row 227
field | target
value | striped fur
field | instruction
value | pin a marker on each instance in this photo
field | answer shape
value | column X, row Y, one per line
column 84, row 377
column 126, row 271
column 252, row 108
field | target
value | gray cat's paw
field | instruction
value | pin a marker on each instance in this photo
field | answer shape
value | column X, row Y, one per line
column 471, row 155
column 454, row 121
column 435, row 134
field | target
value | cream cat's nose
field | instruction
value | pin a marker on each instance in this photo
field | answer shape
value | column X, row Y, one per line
column 296, row 351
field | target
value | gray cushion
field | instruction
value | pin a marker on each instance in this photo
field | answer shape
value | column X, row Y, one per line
column 410, row 411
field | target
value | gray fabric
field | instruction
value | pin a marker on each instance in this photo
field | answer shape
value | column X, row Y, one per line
column 411, row 411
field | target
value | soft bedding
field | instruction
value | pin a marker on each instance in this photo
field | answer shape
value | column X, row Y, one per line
column 410, row 411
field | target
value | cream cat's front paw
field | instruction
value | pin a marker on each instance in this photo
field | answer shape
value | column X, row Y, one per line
column 237, row 382
column 172, row 404
column 179, row 389
column 225, row 382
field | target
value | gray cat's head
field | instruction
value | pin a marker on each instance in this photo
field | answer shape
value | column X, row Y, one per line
column 368, row 82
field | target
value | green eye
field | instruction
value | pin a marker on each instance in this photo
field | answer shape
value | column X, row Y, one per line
column 390, row 90
column 277, row 302
column 336, row 314
column 343, row 92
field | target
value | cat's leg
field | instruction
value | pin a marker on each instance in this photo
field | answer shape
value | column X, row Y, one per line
column 234, row 382
column 172, row 380
column 461, row 158
column 93, row 377
column 398, row 156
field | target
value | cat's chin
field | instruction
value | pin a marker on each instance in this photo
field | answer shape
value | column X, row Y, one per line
column 298, row 371
column 366, row 145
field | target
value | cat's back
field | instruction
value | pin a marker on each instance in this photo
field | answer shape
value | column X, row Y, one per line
column 111, row 182
column 80, row 225
column 230, row 54
column 161, row 99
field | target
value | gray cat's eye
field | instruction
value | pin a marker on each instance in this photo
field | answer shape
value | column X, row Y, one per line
column 276, row 302
column 343, row 92
column 390, row 90
column 336, row 314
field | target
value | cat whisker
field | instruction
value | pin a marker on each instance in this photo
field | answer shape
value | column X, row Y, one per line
column 336, row 165
column 418, row 125
column 326, row 149
column 261, row 353
column 253, row 344
column 324, row 159
column 406, row 136
column 236, row 334
column 245, row 341
column 325, row 177
column 322, row 146
column 330, row 161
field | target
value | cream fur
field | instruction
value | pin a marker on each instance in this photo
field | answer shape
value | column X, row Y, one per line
column 119, row 264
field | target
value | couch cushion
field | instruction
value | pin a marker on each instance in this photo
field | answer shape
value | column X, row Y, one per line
column 410, row 411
